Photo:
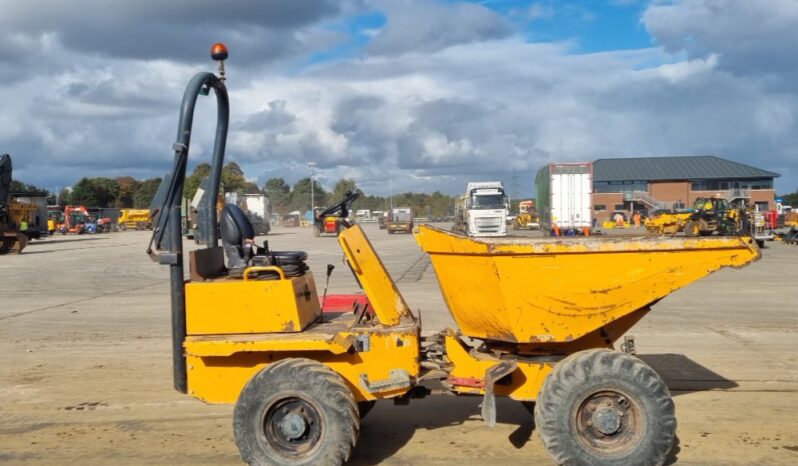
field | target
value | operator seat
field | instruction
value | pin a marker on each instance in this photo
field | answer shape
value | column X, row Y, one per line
column 238, row 240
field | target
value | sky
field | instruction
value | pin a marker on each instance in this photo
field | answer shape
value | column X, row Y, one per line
column 401, row 95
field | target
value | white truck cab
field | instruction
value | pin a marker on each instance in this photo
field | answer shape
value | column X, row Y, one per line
column 486, row 209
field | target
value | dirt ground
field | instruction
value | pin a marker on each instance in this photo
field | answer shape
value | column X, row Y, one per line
column 85, row 375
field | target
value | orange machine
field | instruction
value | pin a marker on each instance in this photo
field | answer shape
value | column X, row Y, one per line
column 75, row 219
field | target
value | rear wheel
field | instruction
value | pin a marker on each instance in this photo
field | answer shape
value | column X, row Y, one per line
column 605, row 408
column 296, row 412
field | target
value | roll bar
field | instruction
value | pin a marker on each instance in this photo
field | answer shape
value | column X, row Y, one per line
column 166, row 205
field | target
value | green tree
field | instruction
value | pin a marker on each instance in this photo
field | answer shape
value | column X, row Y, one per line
column 233, row 179
column 108, row 190
column 95, row 192
column 145, row 191
column 300, row 195
column 790, row 199
column 279, row 194
column 17, row 186
column 83, row 193
column 127, row 187
column 345, row 185
column 440, row 204
column 64, row 197
column 193, row 181
column 251, row 188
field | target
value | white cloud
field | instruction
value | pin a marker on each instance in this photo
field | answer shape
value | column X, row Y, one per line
column 428, row 112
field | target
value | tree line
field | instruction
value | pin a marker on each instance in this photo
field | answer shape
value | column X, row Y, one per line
column 285, row 198
column 127, row 192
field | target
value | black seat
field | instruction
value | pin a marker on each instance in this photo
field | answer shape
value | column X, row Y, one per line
column 237, row 238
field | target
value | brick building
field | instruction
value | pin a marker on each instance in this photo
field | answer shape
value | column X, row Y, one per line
column 651, row 183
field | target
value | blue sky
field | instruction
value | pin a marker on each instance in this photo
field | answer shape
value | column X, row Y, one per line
column 594, row 26
column 427, row 93
column 587, row 25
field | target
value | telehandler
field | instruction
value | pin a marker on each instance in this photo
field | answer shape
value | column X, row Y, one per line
column 714, row 215
column 534, row 324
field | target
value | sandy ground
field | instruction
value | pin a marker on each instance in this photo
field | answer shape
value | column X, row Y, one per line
column 85, row 374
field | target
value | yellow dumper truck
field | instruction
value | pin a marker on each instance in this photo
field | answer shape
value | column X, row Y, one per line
column 134, row 219
column 534, row 323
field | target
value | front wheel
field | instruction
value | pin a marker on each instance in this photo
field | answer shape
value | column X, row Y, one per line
column 605, row 408
column 296, row 412
column 691, row 228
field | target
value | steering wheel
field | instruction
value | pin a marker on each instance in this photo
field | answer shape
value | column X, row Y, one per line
column 340, row 209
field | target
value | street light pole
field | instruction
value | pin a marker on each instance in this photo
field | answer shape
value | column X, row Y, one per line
column 311, row 166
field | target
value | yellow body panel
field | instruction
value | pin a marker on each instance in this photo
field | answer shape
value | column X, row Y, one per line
column 549, row 291
column 388, row 303
column 232, row 306
column 468, row 373
column 219, row 367
column 237, row 327
column 21, row 211
column 134, row 215
column 667, row 223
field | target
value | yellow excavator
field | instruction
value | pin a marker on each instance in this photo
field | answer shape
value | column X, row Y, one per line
column 249, row 328
column 12, row 241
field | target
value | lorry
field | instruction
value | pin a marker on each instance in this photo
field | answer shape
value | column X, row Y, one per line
column 563, row 197
column 483, row 209
column 259, row 211
column 256, row 207
column 400, row 219
column 134, row 219
column 249, row 329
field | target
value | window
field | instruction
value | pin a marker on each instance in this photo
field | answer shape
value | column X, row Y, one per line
column 599, row 207
column 725, row 185
column 626, row 186
column 488, row 201
column 620, row 207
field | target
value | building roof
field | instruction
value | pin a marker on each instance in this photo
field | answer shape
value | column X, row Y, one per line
column 694, row 167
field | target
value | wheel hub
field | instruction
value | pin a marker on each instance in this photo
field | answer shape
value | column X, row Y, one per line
column 293, row 426
column 607, row 420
